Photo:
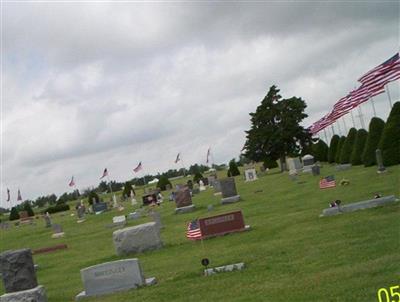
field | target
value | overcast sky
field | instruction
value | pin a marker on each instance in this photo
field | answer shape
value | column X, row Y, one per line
column 92, row 85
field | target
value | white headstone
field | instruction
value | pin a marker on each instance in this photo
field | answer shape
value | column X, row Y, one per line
column 250, row 174
column 119, row 219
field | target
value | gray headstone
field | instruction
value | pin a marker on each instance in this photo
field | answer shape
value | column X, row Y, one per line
column 210, row 207
column 37, row 294
column 112, row 276
column 217, row 186
column 316, row 170
column 137, row 239
column 57, row 228
column 186, row 209
column 250, row 174
column 81, row 212
column 18, row 271
column 379, row 160
column 156, row 216
column 47, row 219
column 228, row 187
column 343, row 167
column 99, row 207
column 134, row 215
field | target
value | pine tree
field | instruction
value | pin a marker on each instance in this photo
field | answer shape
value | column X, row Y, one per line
column 197, row 177
column 233, row 169
column 320, row 151
column 347, row 148
column 14, row 214
column 374, row 135
column 163, row 182
column 358, row 148
column 339, row 149
column 28, row 209
column 332, row 148
column 390, row 140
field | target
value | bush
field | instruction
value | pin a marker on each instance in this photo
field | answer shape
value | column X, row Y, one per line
column 347, row 148
column 320, row 151
column 197, row 177
column 91, row 195
column 339, row 149
column 390, row 140
column 358, row 148
column 332, row 148
column 14, row 214
column 270, row 164
column 233, row 169
column 28, row 209
column 163, row 182
column 374, row 135
column 127, row 189
column 61, row 207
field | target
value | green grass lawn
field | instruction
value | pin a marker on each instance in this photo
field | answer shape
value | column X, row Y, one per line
column 291, row 254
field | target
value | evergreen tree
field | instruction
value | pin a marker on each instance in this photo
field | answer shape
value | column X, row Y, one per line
column 93, row 195
column 197, row 177
column 233, row 169
column 390, row 140
column 163, row 182
column 347, row 148
column 28, row 209
column 127, row 189
column 374, row 135
column 14, row 214
column 270, row 164
column 275, row 128
column 332, row 148
column 358, row 148
column 339, row 149
column 320, row 151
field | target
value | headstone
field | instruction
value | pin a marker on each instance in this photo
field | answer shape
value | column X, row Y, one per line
column 205, row 181
column 115, row 203
column 294, row 164
column 379, row 160
column 137, row 239
column 211, row 179
column 149, row 199
column 57, row 231
column 156, row 217
column 183, row 201
column 343, row 167
column 308, row 163
column 225, row 268
column 81, row 213
column 19, row 278
column 217, row 187
column 111, row 277
column 201, row 186
column 99, row 207
column 134, row 215
column 222, row 224
column 372, row 203
column 119, row 220
column 228, row 190
column 210, row 208
column 316, row 170
column 47, row 219
column 250, row 174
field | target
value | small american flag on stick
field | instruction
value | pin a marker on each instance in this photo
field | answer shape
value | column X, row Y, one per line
column 105, row 173
column 8, row 194
column 138, row 168
column 208, row 155
column 177, row 158
column 72, row 182
column 19, row 197
column 193, row 230
column 327, row 182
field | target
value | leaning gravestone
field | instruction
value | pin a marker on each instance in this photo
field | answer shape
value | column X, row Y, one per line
column 228, row 189
column 19, row 278
column 111, row 277
column 137, row 239
column 183, row 201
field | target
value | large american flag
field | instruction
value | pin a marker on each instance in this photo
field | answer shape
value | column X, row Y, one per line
column 138, row 168
column 193, row 230
column 8, row 194
column 327, row 182
column 19, row 197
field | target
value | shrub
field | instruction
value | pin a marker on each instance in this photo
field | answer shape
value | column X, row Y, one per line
column 91, row 195
column 270, row 163
column 197, row 177
column 374, row 135
column 347, row 148
column 28, row 209
column 390, row 140
column 339, row 149
column 332, row 148
column 127, row 189
column 163, row 182
column 358, row 148
column 14, row 214
column 233, row 169
column 61, row 207
column 320, row 151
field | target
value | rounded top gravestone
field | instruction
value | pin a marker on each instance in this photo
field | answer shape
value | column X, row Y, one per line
column 308, row 160
column 18, row 271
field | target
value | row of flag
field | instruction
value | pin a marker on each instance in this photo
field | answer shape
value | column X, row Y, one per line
column 19, row 196
column 372, row 84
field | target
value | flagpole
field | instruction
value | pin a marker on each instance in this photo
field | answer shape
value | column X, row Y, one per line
column 340, row 130
column 373, row 105
column 388, row 94
column 112, row 194
column 326, row 138
column 344, row 124
column 352, row 118
column 333, row 129
column 361, row 117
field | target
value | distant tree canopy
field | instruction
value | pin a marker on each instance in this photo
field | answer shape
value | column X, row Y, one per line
column 333, row 148
column 275, row 128
column 375, row 130
column 358, row 148
column 390, row 140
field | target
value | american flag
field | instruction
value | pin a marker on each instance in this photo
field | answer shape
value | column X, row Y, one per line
column 105, row 173
column 8, row 194
column 72, row 182
column 193, row 230
column 177, row 158
column 19, row 197
column 208, row 154
column 327, row 182
column 138, row 168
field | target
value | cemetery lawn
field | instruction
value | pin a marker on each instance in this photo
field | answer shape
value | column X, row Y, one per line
column 291, row 254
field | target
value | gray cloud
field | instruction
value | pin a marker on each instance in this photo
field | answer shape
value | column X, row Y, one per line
column 94, row 85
